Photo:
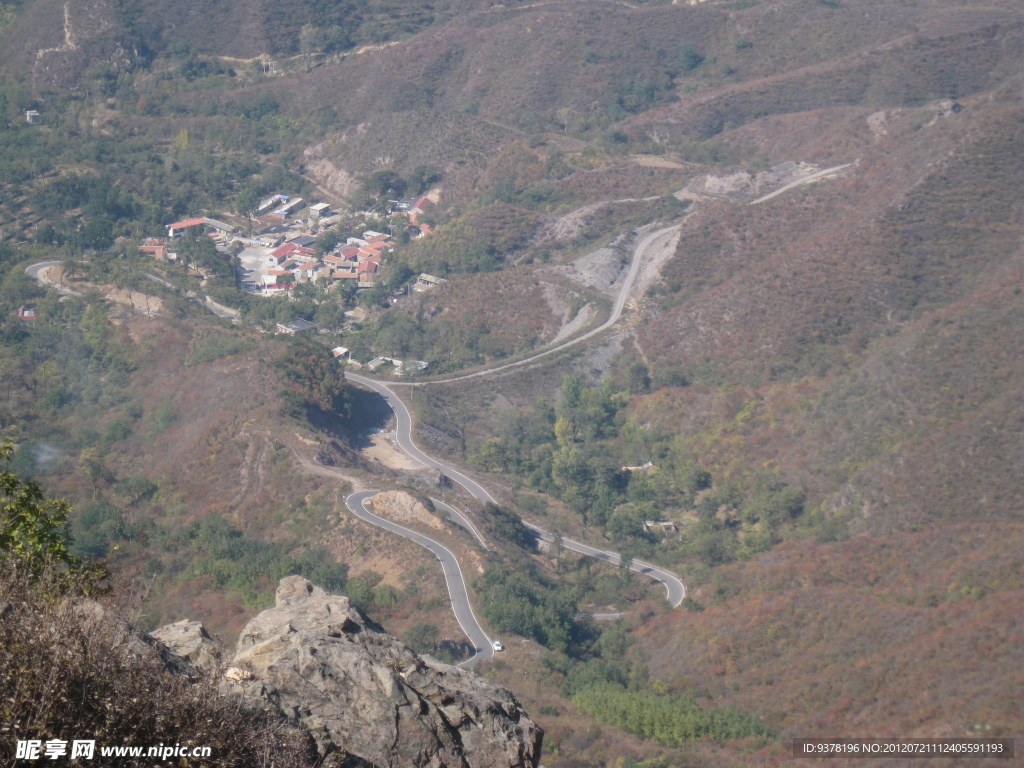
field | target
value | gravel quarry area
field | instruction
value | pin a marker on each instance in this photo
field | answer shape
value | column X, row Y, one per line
column 601, row 270
column 744, row 185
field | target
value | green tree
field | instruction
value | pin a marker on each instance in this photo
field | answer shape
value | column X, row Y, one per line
column 556, row 551
column 689, row 58
column 565, row 431
column 638, row 379
column 422, row 637
column 247, row 203
column 326, row 241
column 422, row 178
column 92, row 466
column 137, row 487
column 384, row 182
column 70, row 268
column 572, row 391
column 386, row 596
column 33, row 531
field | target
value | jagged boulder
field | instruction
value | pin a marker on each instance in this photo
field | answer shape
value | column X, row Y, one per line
column 358, row 690
column 191, row 641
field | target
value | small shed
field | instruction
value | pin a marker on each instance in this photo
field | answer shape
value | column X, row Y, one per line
column 425, row 281
column 290, row 207
column 32, row 117
column 220, row 226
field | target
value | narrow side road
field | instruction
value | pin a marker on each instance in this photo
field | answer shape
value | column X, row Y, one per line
column 37, row 272
column 800, row 182
column 620, row 302
column 462, row 521
column 452, row 574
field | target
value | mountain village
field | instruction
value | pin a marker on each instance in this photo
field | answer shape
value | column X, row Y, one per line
column 278, row 247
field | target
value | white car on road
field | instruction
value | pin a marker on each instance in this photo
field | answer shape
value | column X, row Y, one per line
column 496, row 645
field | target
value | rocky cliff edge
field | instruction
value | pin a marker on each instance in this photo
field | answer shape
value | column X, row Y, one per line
column 359, row 691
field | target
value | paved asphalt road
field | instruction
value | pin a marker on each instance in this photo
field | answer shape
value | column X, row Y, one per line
column 461, row 520
column 403, row 434
column 452, row 574
column 34, row 271
column 673, row 586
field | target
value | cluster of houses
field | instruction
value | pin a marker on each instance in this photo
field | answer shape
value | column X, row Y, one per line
column 358, row 260
column 291, row 258
column 412, row 208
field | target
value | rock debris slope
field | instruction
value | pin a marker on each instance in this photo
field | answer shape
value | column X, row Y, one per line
column 360, row 691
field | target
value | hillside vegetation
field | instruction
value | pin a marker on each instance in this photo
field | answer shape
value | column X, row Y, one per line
column 811, row 407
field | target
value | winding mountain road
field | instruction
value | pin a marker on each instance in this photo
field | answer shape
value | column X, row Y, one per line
column 452, row 574
column 462, row 521
column 403, row 434
column 674, row 587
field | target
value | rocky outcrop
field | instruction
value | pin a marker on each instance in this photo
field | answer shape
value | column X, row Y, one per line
column 404, row 508
column 191, row 641
column 360, row 692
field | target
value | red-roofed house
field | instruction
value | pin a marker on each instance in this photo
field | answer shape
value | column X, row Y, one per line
column 280, row 254
column 289, row 251
column 158, row 248
column 419, row 207
column 178, row 227
column 373, row 250
column 304, row 254
column 337, row 262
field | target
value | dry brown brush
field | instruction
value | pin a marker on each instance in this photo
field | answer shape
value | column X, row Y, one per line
column 76, row 669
